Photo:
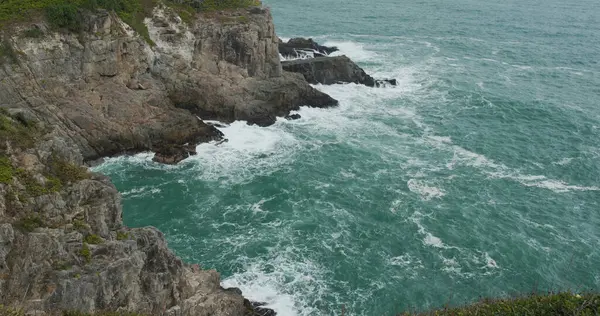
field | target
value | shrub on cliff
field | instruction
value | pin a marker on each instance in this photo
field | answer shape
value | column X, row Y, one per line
column 64, row 16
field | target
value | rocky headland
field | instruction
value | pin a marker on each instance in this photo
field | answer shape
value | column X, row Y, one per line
column 68, row 98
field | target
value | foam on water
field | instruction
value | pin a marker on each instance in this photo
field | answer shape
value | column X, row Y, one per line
column 405, row 155
column 356, row 51
column 427, row 192
column 249, row 151
column 286, row 284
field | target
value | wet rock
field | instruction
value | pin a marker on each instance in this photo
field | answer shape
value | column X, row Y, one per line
column 386, row 82
column 329, row 70
column 259, row 309
column 299, row 47
column 292, row 117
column 180, row 145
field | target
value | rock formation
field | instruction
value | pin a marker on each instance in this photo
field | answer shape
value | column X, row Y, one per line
column 107, row 91
column 329, row 70
column 67, row 99
column 303, row 48
column 313, row 62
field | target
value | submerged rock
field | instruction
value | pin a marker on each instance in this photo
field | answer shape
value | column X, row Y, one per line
column 302, row 47
column 386, row 82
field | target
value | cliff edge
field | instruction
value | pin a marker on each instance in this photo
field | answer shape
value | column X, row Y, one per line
column 67, row 98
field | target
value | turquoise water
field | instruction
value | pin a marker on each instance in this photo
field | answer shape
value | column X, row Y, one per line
column 477, row 176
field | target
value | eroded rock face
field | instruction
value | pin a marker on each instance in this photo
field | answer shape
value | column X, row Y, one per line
column 67, row 249
column 104, row 92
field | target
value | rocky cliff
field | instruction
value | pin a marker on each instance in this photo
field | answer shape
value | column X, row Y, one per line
column 68, row 98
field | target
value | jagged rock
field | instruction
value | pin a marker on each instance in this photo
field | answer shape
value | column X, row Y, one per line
column 329, row 70
column 105, row 91
column 385, row 82
column 259, row 309
column 179, row 145
column 84, row 85
column 298, row 47
column 294, row 116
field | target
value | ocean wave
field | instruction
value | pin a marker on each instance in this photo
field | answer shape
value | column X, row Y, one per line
column 500, row 171
column 286, row 284
column 354, row 50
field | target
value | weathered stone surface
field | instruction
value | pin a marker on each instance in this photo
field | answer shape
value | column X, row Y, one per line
column 302, row 47
column 329, row 70
column 106, row 91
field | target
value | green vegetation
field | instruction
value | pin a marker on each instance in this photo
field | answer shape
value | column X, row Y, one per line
column 86, row 253
column 16, row 131
column 565, row 303
column 122, row 236
column 31, row 222
column 61, row 265
column 65, row 171
column 64, row 15
column 34, row 187
column 7, row 53
column 67, row 14
column 79, row 225
column 6, row 170
column 100, row 314
column 7, row 311
column 93, row 239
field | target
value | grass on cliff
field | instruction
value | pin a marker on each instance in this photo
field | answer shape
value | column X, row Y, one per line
column 564, row 303
column 17, row 133
column 67, row 14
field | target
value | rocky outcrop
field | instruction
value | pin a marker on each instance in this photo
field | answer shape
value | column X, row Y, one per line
column 63, row 246
column 329, row 70
column 179, row 145
column 70, row 98
column 107, row 91
column 324, row 69
column 304, row 48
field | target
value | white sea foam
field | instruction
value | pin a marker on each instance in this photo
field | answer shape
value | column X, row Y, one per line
column 354, row 50
column 489, row 262
column 426, row 191
column 563, row 162
column 249, row 151
column 429, row 239
column 433, row 241
column 405, row 260
column 495, row 170
column 284, row 285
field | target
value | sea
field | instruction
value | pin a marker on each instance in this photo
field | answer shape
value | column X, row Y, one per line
column 478, row 175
